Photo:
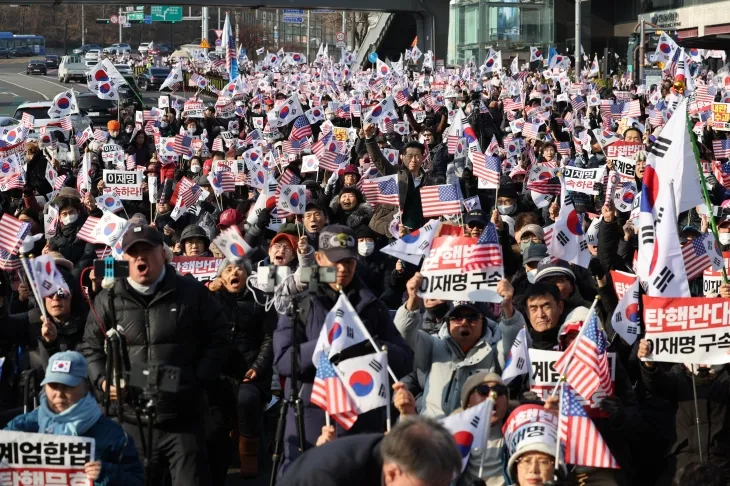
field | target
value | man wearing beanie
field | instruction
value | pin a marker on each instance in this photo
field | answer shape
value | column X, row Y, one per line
column 115, row 133
column 350, row 209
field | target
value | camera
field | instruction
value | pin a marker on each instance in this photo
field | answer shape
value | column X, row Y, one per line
column 271, row 276
column 155, row 377
column 318, row 274
column 116, row 268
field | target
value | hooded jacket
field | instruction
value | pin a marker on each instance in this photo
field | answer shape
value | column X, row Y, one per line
column 444, row 364
column 361, row 214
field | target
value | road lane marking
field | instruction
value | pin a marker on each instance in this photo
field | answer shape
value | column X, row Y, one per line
column 23, row 88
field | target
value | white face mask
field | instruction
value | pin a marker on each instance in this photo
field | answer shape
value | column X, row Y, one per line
column 506, row 209
column 365, row 248
column 191, row 131
column 531, row 274
column 724, row 238
column 164, row 124
column 129, row 130
column 194, row 169
column 69, row 219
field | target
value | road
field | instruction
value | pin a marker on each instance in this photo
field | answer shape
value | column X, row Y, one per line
column 17, row 87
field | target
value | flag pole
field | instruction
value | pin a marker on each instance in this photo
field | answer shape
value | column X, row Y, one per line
column 713, row 224
column 557, row 442
column 488, row 417
column 573, row 348
column 697, row 413
column 387, row 395
column 33, row 288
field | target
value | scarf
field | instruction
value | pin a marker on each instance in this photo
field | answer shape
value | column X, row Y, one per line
column 147, row 290
column 78, row 419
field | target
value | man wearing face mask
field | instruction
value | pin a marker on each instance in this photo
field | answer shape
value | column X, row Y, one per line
column 507, row 200
column 72, row 217
column 115, row 133
column 373, row 266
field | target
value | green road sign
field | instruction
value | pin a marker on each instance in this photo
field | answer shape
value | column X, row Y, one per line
column 133, row 16
column 161, row 13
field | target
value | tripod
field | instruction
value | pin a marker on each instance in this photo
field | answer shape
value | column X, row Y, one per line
column 294, row 400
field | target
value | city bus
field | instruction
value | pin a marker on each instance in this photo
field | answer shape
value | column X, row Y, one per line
column 37, row 43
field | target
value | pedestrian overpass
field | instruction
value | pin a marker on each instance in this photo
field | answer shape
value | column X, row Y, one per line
column 402, row 20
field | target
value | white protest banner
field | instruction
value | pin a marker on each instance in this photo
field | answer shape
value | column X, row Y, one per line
column 687, row 330
column 194, row 113
column 544, row 377
column 113, row 154
column 586, row 181
column 626, row 167
column 623, row 149
column 44, row 459
column 711, row 279
column 203, row 269
column 444, row 276
column 622, row 281
column 127, row 184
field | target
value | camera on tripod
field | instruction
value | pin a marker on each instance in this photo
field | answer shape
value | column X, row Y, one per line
column 272, row 276
column 153, row 378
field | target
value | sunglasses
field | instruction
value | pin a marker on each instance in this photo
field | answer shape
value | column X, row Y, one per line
column 484, row 390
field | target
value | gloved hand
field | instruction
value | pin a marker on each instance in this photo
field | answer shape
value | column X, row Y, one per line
column 615, row 409
column 263, row 220
column 331, row 183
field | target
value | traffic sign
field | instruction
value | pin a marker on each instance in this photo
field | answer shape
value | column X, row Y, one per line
column 218, row 33
column 129, row 9
column 161, row 13
column 323, row 11
column 126, row 26
column 148, row 19
column 113, row 19
column 218, row 42
column 292, row 20
column 204, row 44
column 276, row 34
column 122, row 19
column 340, row 38
column 293, row 11
column 139, row 16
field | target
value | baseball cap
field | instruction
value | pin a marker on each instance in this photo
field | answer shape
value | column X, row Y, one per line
column 535, row 229
column 459, row 306
column 534, row 253
column 141, row 233
column 548, row 268
column 67, row 368
column 338, row 242
column 229, row 217
column 286, row 237
column 475, row 216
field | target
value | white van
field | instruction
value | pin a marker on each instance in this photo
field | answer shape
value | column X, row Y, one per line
column 72, row 67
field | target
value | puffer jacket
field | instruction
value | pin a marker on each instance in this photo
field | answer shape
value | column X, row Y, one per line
column 120, row 464
column 445, row 365
column 358, row 216
column 314, row 308
column 180, row 325
column 36, row 174
column 66, row 242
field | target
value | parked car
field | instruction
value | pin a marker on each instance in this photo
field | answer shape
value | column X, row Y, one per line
column 97, row 110
column 144, row 47
column 152, row 78
column 5, row 52
column 71, row 67
column 37, row 109
column 123, row 69
column 161, row 49
column 86, row 48
column 36, row 66
column 118, row 49
column 52, row 61
column 93, row 55
column 23, row 51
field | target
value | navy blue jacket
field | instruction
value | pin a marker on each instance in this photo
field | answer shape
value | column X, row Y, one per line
column 376, row 317
column 120, row 464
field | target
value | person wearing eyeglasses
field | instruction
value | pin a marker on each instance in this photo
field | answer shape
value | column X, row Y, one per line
column 467, row 343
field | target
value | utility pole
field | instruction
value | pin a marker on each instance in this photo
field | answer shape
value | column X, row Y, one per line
column 83, row 30
column 219, row 18
column 577, row 39
column 309, row 41
column 204, row 25
column 119, row 21
column 641, row 51
column 235, row 16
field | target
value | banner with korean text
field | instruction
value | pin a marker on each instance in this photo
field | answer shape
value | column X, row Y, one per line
column 586, row 181
column 688, row 330
column 43, row 459
column 445, row 275
column 711, row 279
column 202, row 268
column 127, row 184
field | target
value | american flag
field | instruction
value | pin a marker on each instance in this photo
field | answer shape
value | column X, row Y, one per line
column 86, row 232
column 490, row 170
column 226, row 180
column 27, row 120
column 217, row 145
column 182, row 144
column 300, row 129
column 14, row 181
column 696, row 257
column 605, row 109
column 493, row 146
column 131, row 161
column 101, row 136
column 355, row 109
column 547, row 186
column 253, row 135
column 329, row 394
column 381, row 190
column 588, row 369
column 189, row 192
column 12, row 233
column 530, row 130
column 632, row 109
column 486, row 253
column 584, row 445
column 721, row 148
column 197, row 80
column 656, row 118
column 296, row 146
column 564, row 148
column 343, row 111
column 578, row 103
column 440, row 200
column 9, row 262
column 401, row 97
column 705, row 94
column 511, row 105
column 59, row 182
column 721, row 173
column 66, row 123
column 82, row 137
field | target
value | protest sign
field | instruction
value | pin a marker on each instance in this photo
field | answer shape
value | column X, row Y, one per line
column 721, row 116
column 622, row 281
column 163, row 102
column 688, row 330
column 195, row 113
column 44, row 459
column 544, row 377
column 711, row 279
column 340, row 134
column 626, row 167
column 112, row 154
column 444, row 276
column 202, row 268
column 586, row 181
column 127, row 184
column 623, row 149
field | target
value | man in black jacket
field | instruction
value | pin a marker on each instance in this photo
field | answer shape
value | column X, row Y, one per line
column 168, row 319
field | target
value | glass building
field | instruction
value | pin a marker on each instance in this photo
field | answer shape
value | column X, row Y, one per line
column 509, row 26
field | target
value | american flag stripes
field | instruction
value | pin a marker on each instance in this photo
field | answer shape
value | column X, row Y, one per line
column 330, row 394
column 12, row 233
column 549, row 186
column 14, row 181
column 401, row 97
column 696, row 257
column 101, row 136
column 222, row 181
column 721, row 148
column 440, row 200
column 584, row 445
column 27, row 120
column 705, row 94
column 578, row 103
column 355, row 109
column 9, row 262
column 131, row 161
column 217, row 145
column 489, row 171
column 530, row 130
column 381, row 190
column 86, row 232
column 59, row 182
column 721, row 173
column 300, row 129
column 182, row 145
column 486, row 253
column 296, row 146
column 511, row 105
column 564, row 148
column 585, row 363
column 189, row 192
column 66, row 123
